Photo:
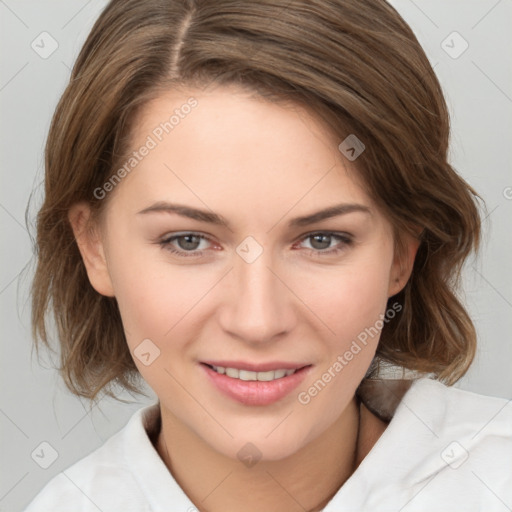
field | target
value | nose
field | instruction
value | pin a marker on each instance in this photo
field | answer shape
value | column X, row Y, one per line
column 258, row 307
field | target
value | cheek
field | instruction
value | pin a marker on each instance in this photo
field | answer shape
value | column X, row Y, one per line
column 352, row 306
column 349, row 300
column 159, row 304
column 153, row 296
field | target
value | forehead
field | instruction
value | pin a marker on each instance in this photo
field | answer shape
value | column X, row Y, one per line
column 231, row 115
column 229, row 145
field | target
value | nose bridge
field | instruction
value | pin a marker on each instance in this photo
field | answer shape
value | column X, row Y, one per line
column 258, row 308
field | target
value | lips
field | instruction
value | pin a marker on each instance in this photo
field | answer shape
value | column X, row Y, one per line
column 255, row 384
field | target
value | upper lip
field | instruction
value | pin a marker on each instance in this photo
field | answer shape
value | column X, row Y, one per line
column 257, row 367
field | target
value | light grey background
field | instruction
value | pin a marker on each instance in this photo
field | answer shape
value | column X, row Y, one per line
column 34, row 405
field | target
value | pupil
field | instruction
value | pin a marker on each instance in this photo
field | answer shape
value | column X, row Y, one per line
column 190, row 245
column 323, row 245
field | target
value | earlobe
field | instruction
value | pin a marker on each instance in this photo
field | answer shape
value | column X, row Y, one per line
column 91, row 248
column 403, row 264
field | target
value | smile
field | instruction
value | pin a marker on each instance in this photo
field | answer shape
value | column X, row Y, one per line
column 246, row 375
column 252, row 384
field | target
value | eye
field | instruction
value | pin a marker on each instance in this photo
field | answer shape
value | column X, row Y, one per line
column 321, row 241
column 188, row 244
column 184, row 244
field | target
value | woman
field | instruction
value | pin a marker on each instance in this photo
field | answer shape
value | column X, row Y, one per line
column 249, row 205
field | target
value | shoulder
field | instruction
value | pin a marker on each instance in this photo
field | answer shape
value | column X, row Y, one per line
column 445, row 448
column 458, row 444
column 460, row 412
column 455, row 423
column 88, row 484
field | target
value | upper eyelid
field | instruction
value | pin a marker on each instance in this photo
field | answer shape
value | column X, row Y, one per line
column 304, row 235
column 172, row 236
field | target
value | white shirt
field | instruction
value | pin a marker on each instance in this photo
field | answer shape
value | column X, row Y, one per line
column 445, row 449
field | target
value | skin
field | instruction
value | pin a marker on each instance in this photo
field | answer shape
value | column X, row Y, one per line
column 258, row 164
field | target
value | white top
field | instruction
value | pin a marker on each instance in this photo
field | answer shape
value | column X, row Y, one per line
column 445, row 449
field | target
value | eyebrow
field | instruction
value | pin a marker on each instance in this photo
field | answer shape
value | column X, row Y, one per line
column 214, row 218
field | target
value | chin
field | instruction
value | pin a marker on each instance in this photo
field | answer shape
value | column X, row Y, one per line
column 252, row 450
column 263, row 442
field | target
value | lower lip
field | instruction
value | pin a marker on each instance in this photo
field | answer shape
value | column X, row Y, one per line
column 250, row 392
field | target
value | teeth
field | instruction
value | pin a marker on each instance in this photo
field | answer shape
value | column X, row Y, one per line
column 232, row 372
column 254, row 376
column 246, row 375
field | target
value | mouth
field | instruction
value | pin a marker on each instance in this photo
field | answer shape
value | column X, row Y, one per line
column 252, row 384
column 248, row 375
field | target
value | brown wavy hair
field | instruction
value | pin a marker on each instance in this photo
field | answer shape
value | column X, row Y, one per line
column 356, row 65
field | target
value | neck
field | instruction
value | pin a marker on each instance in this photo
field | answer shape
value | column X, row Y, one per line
column 303, row 481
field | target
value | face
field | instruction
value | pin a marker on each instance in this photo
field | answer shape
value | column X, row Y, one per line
column 257, row 282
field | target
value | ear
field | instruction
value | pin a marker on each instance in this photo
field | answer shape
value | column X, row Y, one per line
column 403, row 263
column 91, row 248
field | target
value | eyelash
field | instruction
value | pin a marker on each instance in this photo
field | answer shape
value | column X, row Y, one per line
column 345, row 239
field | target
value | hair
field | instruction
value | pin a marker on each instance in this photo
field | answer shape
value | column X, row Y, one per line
column 356, row 65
